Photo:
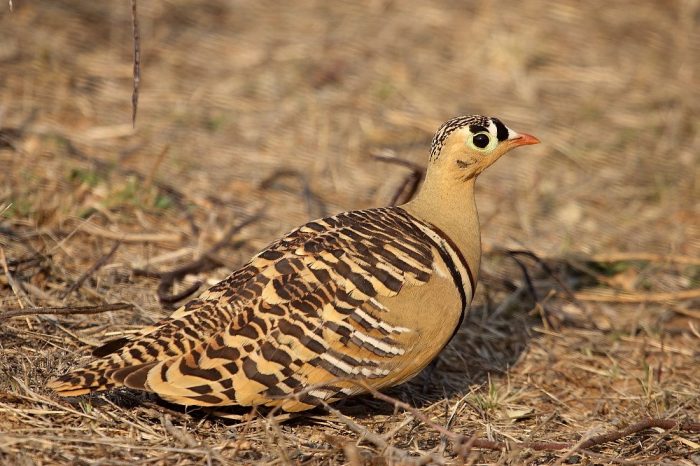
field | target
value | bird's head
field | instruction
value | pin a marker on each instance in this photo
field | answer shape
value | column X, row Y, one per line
column 466, row 146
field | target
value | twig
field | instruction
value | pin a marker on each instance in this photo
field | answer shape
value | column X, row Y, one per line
column 352, row 454
column 609, row 459
column 457, row 438
column 686, row 312
column 665, row 424
column 626, row 297
column 97, row 230
column 137, row 63
column 374, row 438
column 167, row 279
column 615, row 297
column 569, row 452
column 640, row 426
column 547, row 269
column 10, row 279
column 526, row 276
column 202, row 264
column 165, row 286
column 310, row 197
column 26, row 262
column 95, row 267
column 181, row 435
column 6, row 314
column 8, row 137
column 465, row 451
column 408, row 187
column 148, row 180
column 513, row 254
column 616, row 257
column 390, row 157
column 643, row 256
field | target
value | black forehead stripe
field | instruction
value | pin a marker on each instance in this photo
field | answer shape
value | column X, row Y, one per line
column 501, row 130
column 449, row 127
column 477, row 129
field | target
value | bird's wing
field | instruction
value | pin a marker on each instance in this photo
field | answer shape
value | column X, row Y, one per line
column 305, row 311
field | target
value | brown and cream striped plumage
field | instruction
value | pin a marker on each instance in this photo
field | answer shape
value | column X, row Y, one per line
column 370, row 296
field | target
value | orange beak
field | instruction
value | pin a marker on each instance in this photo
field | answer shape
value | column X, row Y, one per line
column 524, row 140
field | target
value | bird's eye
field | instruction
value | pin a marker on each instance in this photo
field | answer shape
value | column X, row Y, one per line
column 481, row 140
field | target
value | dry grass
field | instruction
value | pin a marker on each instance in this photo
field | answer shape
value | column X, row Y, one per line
column 264, row 105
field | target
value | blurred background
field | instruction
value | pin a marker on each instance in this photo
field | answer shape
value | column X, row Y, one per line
column 233, row 92
column 279, row 108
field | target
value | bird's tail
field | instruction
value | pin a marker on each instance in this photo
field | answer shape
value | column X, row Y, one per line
column 96, row 376
column 92, row 378
column 119, row 358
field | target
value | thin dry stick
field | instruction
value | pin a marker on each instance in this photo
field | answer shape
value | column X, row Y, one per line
column 665, row 424
column 610, row 459
column 163, row 291
column 204, row 263
column 616, row 297
column 137, row 63
column 626, row 297
column 372, row 437
column 10, row 279
column 102, row 232
column 526, row 275
column 314, row 203
column 547, row 269
column 644, row 256
column 181, row 435
column 570, row 451
column 465, row 451
column 6, row 314
column 617, row 257
column 95, row 267
column 148, row 181
column 640, row 426
column 686, row 312
column 408, row 187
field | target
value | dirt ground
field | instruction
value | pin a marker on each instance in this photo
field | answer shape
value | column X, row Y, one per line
column 272, row 112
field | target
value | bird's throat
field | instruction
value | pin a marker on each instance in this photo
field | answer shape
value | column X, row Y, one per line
column 453, row 210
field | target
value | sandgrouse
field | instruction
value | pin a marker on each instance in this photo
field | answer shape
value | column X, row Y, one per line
column 371, row 295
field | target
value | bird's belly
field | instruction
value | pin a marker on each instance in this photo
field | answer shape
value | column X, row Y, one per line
column 429, row 314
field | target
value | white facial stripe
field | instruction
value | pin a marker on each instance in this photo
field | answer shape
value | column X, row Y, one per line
column 492, row 128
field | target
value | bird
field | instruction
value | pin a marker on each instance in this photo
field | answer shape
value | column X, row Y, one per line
column 362, row 300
